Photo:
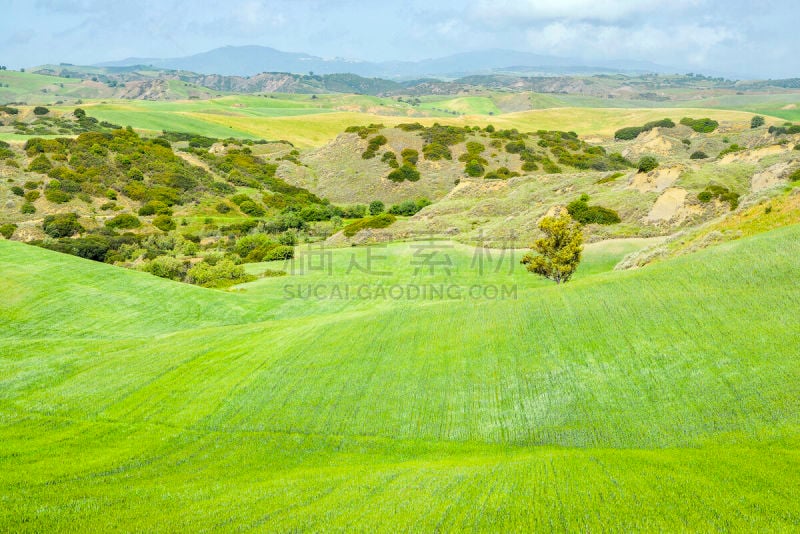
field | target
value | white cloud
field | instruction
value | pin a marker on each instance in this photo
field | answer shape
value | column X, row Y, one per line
column 527, row 11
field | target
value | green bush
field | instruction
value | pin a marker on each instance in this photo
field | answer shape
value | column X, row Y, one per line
column 501, row 173
column 698, row 154
column 40, row 164
column 756, row 121
column 515, row 147
column 164, row 223
column 436, row 151
column 40, row 110
column 647, row 164
column 124, row 221
column 378, row 221
column 7, row 230
column 166, row 267
column 27, row 208
column 731, row 149
column 390, row 158
column 705, row 196
column 722, row 193
column 405, row 172
column 154, row 207
column 704, row 125
column 474, row 169
column 222, row 207
column 17, row 190
column 62, row 225
column 376, row 207
column 795, row 175
column 225, row 273
column 409, row 207
column 251, row 208
column 32, row 196
column 57, row 196
column 626, row 134
column 410, row 156
column 609, row 178
column 582, row 212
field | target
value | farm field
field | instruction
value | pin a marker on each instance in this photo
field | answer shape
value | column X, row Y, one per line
column 659, row 399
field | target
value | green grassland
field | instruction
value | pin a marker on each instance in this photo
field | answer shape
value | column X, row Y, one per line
column 647, row 400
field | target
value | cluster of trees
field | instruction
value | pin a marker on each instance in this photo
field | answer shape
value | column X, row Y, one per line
column 407, row 171
column 787, row 129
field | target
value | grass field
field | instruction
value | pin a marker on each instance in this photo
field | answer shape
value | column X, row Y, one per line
column 308, row 126
column 648, row 400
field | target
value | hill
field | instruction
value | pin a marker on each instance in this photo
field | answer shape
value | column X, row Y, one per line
column 155, row 405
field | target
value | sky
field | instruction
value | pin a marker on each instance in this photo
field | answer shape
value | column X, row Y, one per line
column 733, row 37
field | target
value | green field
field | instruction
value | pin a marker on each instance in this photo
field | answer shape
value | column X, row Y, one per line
column 661, row 399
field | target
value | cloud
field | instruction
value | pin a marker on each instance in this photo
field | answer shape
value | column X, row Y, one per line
column 529, row 11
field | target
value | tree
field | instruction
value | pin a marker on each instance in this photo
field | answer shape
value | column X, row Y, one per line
column 559, row 251
column 40, row 110
column 756, row 121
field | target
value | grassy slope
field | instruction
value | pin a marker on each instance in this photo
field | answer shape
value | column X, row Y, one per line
column 648, row 400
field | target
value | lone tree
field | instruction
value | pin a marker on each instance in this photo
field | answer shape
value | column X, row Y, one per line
column 559, row 251
column 756, row 121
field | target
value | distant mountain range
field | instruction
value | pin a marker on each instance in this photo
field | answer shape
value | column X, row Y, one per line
column 252, row 60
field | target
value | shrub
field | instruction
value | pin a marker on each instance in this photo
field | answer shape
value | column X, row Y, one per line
column 27, row 208
column 40, row 164
column 436, row 151
column 757, row 121
column 647, row 164
column 501, row 173
column 582, row 212
column 409, row 207
column 164, row 223
column 705, row 196
column 224, row 273
column 704, row 125
column 223, row 208
column 410, row 156
column 405, row 172
column 251, row 208
column 124, row 221
column 474, row 169
column 166, row 267
column 40, row 110
column 626, row 134
column 7, row 230
column 154, row 207
column 795, row 176
column 32, row 196
column 62, row 225
column 609, row 178
column 390, row 158
column 79, row 113
column 722, row 193
column 378, row 221
column 376, row 207
column 57, row 196
column 17, row 190
column 731, row 149
column 698, row 154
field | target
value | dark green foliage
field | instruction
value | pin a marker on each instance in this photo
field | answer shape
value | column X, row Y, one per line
column 410, row 156
column 647, row 164
column 124, row 221
column 17, row 190
column 720, row 192
column 166, row 267
column 515, row 147
column 154, row 207
column 40, row 164
column 795, row 175
column 62, row 225
column 7, row 230
column 474, row 169
column 410, row 127
column 436, row 151
column 409, row 207
column 549, row 167
column 364, row 131
column 201, row 142
column 704, row 125
column 582, row 212
column 251, row 208
column 378, row 221
column 376, row 207
column 628, row 133
column 40, row 110
column 79, row 113
column 351, row 212
column 8, row 110
column 698, row 154
column 54, row 194
column 756, row 121
column 404, row 172
column 373, row 146
column 223, row 274
column 164, row 223
column 223, row 208
column 390, row 158
column 27, row 208
column 33, row 195
column 501, row 173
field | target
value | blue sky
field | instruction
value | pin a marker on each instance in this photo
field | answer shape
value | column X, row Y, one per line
column 734, row 36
